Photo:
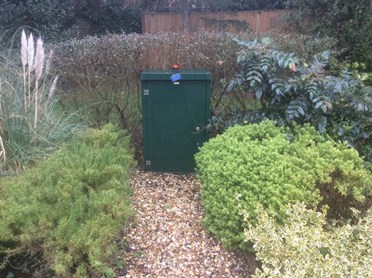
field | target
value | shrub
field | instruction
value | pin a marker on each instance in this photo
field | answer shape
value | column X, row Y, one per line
column 272, row 166
column 307, row 246
column 348, row 22
column 290, row 89
column 56, row 19
column 120, row 58
column 304, row 46
column 113, row 16
column 101, row 75
column 63, row 216
column 53, row 18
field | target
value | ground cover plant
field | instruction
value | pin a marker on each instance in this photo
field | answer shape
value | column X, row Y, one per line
column 273, row 166
column 308, row 246
column 61, row 218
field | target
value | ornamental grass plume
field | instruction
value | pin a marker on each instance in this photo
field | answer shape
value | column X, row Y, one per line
column 30, row 52
column 24, row 58
column 39, row 58
column 2, row 150
column 33, row 60
column 39, row 65
column 24, row 50
column 30, row 63
column 48, row 61
column 52, row 90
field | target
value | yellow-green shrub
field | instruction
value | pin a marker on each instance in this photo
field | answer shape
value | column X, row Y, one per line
column 305, row 248
column 69, row 209
column 273, row 166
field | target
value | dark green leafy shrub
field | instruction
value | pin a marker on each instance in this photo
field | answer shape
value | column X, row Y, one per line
column 291, row 89
column 55, row 19
column 65, row 213
column 305, row 46
column 113, row 16
column 347, row 21
column 272, row 166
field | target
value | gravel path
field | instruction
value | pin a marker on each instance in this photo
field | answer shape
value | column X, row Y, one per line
column 167, row 239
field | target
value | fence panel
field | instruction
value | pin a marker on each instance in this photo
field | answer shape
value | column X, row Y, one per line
column 256, row 21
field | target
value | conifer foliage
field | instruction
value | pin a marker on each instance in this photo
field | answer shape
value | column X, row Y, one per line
column 62, row 217
column 274, row 166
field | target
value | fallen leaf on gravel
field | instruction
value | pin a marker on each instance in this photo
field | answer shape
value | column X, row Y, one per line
column 166, row 238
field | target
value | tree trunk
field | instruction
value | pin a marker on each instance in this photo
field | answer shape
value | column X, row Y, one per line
column 185, row 16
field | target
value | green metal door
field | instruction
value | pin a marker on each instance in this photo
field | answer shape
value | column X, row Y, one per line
column 175, row 114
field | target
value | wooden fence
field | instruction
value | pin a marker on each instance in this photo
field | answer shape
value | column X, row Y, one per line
column 256, row 21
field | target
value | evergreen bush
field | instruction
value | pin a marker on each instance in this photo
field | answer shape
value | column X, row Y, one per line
column 348, row 22
column 54, row 19
column 57, row 20
column 273, row 166
column 307, row 246
column 62, row 216
column 112, row 16
column 288, row 89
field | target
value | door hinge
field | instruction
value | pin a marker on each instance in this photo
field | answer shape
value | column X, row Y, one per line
column 148, row 162
column 146, row 92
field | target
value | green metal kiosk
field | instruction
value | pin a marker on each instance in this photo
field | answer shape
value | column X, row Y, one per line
column 176, row 110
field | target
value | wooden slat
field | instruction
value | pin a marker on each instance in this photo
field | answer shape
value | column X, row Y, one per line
column 259, row 21
column 84, row 26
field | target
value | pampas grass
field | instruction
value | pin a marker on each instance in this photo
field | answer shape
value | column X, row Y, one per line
column 2, row 150
column 31, row 123
column 39, row 65
column 33, row 60
column 24, row 58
